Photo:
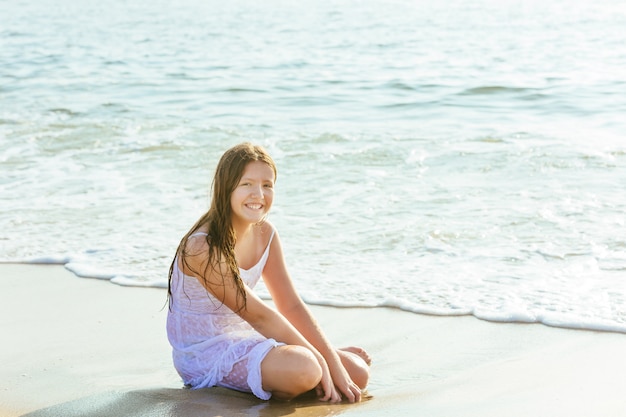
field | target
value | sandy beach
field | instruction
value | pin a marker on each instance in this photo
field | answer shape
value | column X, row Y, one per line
column 80, row 347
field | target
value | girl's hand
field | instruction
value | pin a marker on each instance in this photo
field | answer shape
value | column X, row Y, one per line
column 326, row 390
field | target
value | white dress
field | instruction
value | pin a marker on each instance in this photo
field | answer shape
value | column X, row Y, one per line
column 213, row 346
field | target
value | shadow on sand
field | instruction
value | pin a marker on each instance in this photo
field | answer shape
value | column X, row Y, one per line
column 169, row 402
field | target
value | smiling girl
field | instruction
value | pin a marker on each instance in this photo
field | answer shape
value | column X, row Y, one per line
column 221, row 332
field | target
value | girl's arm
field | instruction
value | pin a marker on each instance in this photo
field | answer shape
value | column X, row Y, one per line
column 291, row 306
column 257, row 313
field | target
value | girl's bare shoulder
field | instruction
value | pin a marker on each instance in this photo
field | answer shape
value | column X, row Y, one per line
column 266, row 228
column 196, row 243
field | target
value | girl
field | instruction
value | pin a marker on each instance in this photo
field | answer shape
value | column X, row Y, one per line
column 223, row 334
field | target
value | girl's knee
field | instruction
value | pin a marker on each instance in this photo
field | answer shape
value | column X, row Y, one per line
column 305, row 371
column 289, row 371
column 358, row 369
column 360, row 375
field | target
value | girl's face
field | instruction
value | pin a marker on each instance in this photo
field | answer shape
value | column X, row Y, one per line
column 252, row 198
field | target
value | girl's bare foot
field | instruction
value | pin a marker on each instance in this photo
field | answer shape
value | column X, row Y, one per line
column 359, row 352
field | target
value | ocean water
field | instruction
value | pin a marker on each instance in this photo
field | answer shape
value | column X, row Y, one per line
column 453, row 158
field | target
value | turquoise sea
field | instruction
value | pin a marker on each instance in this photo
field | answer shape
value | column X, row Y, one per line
column 453, row 158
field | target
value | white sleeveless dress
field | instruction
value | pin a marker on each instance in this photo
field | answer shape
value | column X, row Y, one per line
column 213, row 346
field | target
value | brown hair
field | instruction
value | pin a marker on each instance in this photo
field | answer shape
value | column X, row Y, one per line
column 221, row 236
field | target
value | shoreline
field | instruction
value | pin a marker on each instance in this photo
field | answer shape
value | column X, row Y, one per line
column 77, row 346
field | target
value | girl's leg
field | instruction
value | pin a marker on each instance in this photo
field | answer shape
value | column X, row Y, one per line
column 238, row 377
column 356, row 361
column 288, row 371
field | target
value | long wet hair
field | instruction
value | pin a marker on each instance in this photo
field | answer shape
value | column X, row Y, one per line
column 221, row 237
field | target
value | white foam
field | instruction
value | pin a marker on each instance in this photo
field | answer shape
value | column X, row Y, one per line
column 88, row 271
column 48, row 260
column 129, row 281
column 579, row 323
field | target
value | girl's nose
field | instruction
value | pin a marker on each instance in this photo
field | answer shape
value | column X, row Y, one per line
column 257, row 192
